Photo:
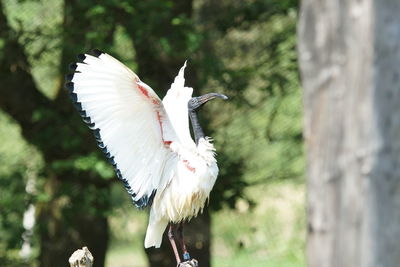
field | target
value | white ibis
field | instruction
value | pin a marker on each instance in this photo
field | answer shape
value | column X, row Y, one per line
column 148, row 141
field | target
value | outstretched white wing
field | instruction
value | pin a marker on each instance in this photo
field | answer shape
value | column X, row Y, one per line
column 129, row 122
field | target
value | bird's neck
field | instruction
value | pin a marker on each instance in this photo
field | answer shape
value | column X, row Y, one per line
column 197, row 130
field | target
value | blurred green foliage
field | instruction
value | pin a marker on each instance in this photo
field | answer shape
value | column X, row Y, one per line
column 245, row 49
column 18, row 163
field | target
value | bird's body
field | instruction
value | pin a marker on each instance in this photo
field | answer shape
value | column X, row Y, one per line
column 186, row 194
column 193, row 178
column 147, row 140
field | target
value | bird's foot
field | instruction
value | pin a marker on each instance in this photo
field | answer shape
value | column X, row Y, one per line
column 189, row 263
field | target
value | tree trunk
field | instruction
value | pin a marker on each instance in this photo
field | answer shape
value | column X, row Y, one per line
column 350, row 64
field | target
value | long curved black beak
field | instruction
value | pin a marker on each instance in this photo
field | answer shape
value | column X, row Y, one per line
column 196, row 102
column 208, row 97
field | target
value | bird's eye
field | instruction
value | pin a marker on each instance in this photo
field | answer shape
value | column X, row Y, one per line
column 193, row 104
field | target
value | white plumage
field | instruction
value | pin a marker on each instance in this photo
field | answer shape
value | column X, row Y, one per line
column 147, row 140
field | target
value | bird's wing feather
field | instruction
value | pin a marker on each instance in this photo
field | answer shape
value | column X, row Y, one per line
column 129, row 122
column 176, row 105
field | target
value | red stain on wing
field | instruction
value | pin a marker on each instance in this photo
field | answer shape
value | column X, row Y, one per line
column 143, row 90
column 166, row 143
column 160, row 123
column 187, row 165
column 156, row 102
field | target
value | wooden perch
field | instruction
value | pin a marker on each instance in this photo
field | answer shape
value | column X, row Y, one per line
column 81, row 258
column 190, row 263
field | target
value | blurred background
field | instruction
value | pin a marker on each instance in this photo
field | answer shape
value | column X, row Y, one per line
column 58, row 193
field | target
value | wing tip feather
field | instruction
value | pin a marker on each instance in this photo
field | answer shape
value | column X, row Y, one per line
column 70, row 86
column 145, row 201
column 73, row 96
column 87, row 119
column 96, row 52
column 69, row 77
column 78, row 106
column 72, row 66
column 81, row 57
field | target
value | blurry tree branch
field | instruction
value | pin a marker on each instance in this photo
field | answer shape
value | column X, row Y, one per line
column 275, row 177
column 243, row 14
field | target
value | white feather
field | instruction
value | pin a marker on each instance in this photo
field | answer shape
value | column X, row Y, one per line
column 176, row 105
column 155, row 230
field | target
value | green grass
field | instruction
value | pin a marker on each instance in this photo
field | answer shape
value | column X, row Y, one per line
column 271, row 234
column 126, row 255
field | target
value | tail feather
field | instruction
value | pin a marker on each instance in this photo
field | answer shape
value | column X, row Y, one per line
column 154, row 234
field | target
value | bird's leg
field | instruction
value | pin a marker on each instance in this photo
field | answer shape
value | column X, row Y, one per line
column 173, row 244
column 181, row 239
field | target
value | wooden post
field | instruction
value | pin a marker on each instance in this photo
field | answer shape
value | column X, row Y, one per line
column 190, row 263
column 349, row 52
column 81, row 258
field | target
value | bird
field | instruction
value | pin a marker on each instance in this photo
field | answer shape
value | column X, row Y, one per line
column 148, row 141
